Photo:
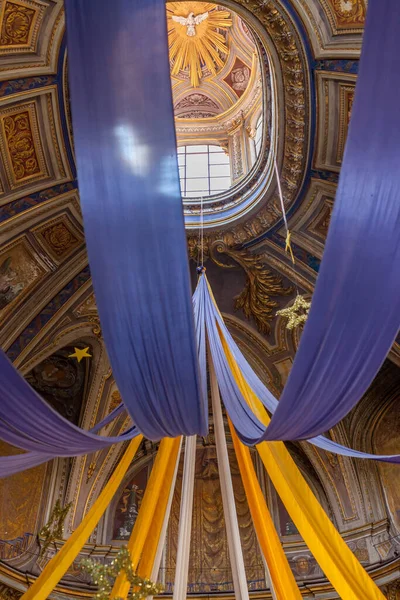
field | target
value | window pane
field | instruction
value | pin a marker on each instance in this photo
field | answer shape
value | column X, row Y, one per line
column 197, row 165
column 195, row 149
column 220, row 183
column 197, row 185
column 219, row 158
column 220, row 171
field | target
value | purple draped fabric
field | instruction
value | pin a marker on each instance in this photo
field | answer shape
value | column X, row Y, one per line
column 249, row 428
column 28, row 422
column 130, row 195
column 10, row 465
column 355, row 311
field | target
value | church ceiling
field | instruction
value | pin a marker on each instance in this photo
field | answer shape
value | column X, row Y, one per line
column 309, row 50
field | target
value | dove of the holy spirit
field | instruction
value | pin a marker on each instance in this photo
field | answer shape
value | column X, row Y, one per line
column 190, row 22
column 346, row 5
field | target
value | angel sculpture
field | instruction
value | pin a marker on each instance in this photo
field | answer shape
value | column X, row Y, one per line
column 190, row 22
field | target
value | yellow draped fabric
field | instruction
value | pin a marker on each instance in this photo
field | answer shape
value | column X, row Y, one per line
column 335, row 558
column 61, row 562
column 151, row 508
column 150, row 550
column 282, row 578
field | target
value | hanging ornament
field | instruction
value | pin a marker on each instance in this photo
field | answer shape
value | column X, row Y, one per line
column 104, row 576
column 297, row 313
column 54, row 528
column 288, row 247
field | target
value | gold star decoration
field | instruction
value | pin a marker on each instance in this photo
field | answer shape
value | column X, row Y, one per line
column 80, row 353
column 297, row 313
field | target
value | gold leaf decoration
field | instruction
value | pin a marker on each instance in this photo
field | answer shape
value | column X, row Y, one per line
column 18, row 133
column 17, row 23
column 255, row 300
column 194, row 38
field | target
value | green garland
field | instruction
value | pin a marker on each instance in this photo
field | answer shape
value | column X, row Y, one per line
column 104, row 576
column 54, row 528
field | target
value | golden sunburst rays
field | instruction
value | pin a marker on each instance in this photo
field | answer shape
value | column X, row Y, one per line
column 196, row 43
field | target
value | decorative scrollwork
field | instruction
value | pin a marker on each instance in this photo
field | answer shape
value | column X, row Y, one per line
column 18, row 133
column 96, row 326
column 255, row 300
column 17, row 23
column 7, row 593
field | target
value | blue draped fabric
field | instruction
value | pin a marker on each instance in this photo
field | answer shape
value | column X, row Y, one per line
column 355, row 312
column 129, row 188
column 249, row 428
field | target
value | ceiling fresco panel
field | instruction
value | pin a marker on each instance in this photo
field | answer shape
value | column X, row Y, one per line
column 60, row 237
column 31, row 143
column 334, row 32
column 30, row 36
column 335, row 94
column 20, row 23
column 44, row 245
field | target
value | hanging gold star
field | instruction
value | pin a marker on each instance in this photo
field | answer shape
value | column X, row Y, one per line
column 297, row 313
column 79, row 354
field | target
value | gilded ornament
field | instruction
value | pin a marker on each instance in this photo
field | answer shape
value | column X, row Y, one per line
column 59, row 238
column 103, row 577
column 115, row 401
column 96, row 325
column 7, row 593
column 255, row 300
column 195, row 39
column 349, row 12
column 54, row 528
column 297, row 313
column 18, row 133
column 17, row 23
column 90, row 471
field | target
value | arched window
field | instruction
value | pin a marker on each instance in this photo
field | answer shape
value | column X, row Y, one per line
column 258, row 136
column 203, row 170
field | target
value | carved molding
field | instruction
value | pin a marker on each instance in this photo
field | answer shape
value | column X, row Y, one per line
column 262, row 284
column 7, row 593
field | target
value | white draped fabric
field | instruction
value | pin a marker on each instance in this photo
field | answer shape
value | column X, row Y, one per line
column 228, row 499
